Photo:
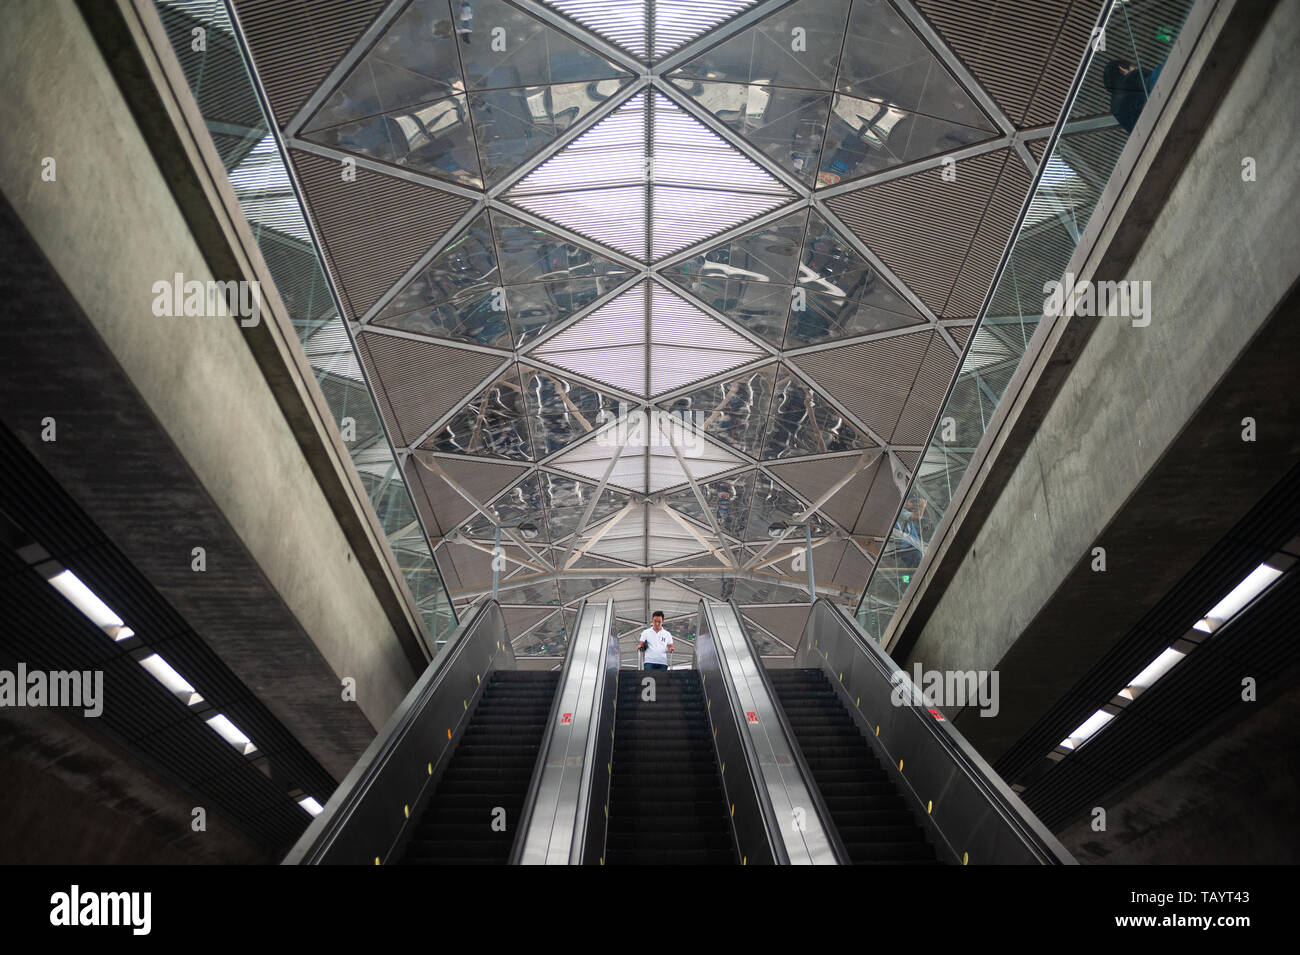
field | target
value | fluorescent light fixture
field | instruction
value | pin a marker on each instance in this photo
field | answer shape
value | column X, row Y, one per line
column 1154, row 671
column 231, row 734
column 1255, row 584
column 311, row 805
column 84, row 599
column 1086, row 729
column 162, row 672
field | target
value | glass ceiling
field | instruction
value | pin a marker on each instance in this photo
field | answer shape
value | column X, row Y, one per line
column 647, row 333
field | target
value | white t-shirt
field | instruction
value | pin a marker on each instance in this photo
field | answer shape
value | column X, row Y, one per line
column 656, row 644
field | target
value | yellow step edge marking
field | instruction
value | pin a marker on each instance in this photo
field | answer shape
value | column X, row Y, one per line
column 406, row 811
column 877, row 729
column 733, row 810
column 900, row 764
column 477, row 678
column 448, row 732
column 431, row 769
column 376, row 860
column 464, row 704
column 858, row 702
column 929, row 807
column 965, row 858
column 744, row 860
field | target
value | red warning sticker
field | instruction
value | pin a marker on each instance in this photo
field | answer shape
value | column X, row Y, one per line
column 752, row 717
column 566, row 718
column 937, row 715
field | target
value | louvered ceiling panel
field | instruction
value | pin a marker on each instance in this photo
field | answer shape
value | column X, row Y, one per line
column 812, row 479
column 1024, row 52
column 991, row 238
column 922, row 407
column 417, row 383
column 880, row 508
column 481, row 480
column 922, row 225
column 375, row 211
column 871, row 379
column 296, row 43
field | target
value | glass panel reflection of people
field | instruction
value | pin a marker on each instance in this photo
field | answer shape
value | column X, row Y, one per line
column 656, row 642
column 1128, row 86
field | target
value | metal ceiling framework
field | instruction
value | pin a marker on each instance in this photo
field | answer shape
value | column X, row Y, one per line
column 655, row 275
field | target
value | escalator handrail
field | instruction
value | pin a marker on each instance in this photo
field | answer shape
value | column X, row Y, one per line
column 801, row 764
column 1028, row 828
column 535, row 782
column 316, row 841
column 772, row 825
column 581, row 823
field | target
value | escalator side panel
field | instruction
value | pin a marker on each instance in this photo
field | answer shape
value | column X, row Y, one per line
column 358, row 824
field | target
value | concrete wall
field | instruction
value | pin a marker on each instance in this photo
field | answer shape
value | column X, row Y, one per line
column 111, row 228
column 1220, row 257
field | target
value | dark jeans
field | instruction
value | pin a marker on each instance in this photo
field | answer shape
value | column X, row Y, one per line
column 656, row 666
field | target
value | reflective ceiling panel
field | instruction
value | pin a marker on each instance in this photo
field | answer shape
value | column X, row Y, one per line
column 650, row 308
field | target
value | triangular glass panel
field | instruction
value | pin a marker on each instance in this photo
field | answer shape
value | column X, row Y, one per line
column 528, row 253
column 619, row 21
column 451, row 297
column 513, row 125
column 733, row 411
column 803, row 422
column 869, row 136
column 562, row 410
column 787, row 125
column 434, row 138
column 727, row 499
column 647, row 462
column 523, row 502
column 740, row 279
column 502, row 46
column 768, row 254
column 843, row 295
column 414, row 62
column 567, row 499
column 798, row 47
column 493, row 423
column 886, row 61
column 596, row 184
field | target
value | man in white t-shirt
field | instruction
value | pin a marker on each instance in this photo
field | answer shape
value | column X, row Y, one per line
column 656, row 642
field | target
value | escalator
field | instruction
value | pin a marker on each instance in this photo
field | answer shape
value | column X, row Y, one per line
column 869, row 814
column 489, row 771
column 666, row 803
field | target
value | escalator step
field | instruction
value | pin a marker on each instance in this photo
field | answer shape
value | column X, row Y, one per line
column 866, row 808
column 489, row 770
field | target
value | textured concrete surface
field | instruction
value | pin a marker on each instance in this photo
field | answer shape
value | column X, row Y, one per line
column 1230, row 803
column 1221, row 256
column 175, row 440
column 70, row 797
